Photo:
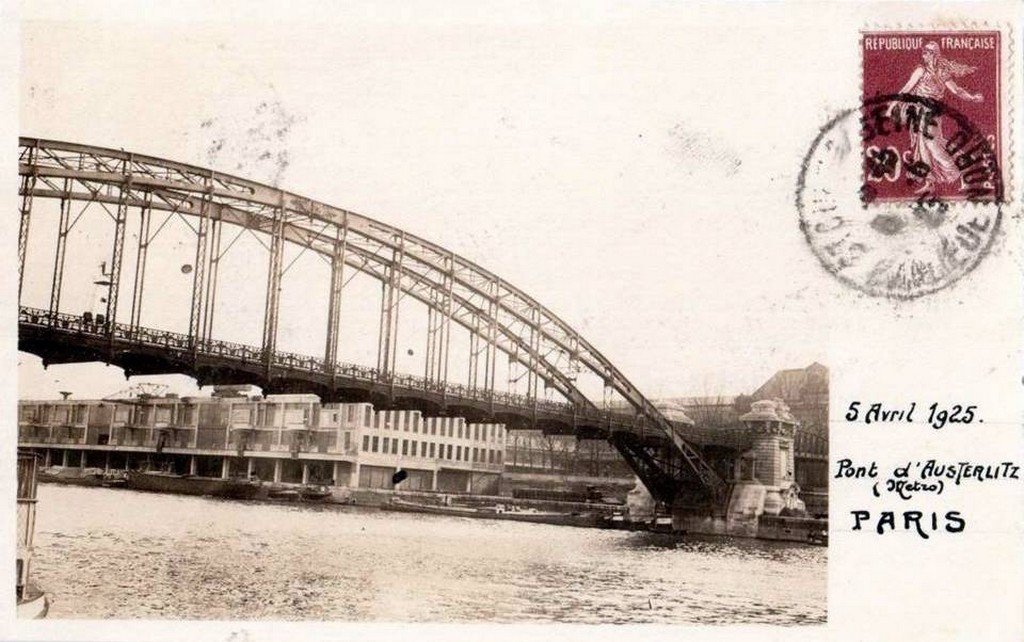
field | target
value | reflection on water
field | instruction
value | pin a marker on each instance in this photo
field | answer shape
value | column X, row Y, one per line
column 116, row 553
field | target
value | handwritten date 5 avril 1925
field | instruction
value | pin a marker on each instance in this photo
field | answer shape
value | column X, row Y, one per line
column 936, row 416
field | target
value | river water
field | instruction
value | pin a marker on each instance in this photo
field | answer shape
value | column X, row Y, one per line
column 105, row 553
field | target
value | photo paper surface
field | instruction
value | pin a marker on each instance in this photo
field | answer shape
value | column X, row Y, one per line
column 644, row 320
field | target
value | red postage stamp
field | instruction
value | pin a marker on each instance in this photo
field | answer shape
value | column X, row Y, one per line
column 931, row 116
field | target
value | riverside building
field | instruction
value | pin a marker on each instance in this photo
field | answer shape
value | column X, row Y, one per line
column 283, row 438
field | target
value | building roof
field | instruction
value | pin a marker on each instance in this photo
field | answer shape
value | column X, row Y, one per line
column 795, row 383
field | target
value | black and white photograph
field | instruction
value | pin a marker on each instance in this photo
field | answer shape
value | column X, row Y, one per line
column 505, row 314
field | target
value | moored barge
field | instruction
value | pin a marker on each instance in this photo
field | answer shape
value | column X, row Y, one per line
column 160, row 482
column 81, row 476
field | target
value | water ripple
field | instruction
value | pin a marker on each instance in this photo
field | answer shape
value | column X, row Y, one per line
column 103, row 553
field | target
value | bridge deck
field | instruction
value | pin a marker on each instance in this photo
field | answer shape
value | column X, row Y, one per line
column 66, row 338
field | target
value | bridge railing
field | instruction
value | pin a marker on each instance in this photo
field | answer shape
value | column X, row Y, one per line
column 101, row 328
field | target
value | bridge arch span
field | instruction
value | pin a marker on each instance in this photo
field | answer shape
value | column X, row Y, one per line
column 499, row 317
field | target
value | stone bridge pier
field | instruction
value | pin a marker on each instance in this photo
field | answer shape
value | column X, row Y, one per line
column 763, row 498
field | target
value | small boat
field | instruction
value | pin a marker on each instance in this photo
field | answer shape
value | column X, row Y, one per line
column 81, row 476
column 500, row 511
column 616, row 521
column 32, row 603
column 234, row 488
column 314, row 492
column 284, row 494
column 661, row 524
column 305, row 493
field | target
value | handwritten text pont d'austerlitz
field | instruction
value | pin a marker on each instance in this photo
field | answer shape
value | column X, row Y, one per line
column 910, row 480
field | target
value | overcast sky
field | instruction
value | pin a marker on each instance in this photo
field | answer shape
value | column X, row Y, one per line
column 634, row 174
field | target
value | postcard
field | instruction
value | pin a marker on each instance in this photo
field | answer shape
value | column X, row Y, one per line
column 466, row 320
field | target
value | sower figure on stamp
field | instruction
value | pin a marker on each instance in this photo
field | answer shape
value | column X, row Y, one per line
column 931, row 80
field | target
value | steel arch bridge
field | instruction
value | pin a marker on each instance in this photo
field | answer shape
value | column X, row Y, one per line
column 498, row 316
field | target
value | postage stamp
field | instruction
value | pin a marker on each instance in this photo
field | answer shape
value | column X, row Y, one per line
column 902, row 196
column 912, row 148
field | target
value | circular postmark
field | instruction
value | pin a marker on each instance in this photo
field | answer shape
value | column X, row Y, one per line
column 916, row 243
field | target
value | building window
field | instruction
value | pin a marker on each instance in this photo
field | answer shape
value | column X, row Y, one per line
column 375, row 443
column 367, row 416
column 366, row 443
column 385, row 445
column 498, row 456
column 412, row 448
column 405, row 446
column 458, row 453
column 431, row 450
column 433, row 428
column 347, row 436
column 476, row 432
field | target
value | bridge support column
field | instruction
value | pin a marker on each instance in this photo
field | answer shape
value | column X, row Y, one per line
column 210, row 295
column 63, row 227
column 336, row 476
column 277, row 471
column 433, row 480
column 28, row 186
column 305, row 472
column 193, row 465
column 64, row 458
column 391, row 295
column 273, row 298
column 334, row 302
column 196, row 323
column 225, row 468
column 106, row 462
column 117, row 253
column 250, row 467
column 353, row 475
column 142, row 250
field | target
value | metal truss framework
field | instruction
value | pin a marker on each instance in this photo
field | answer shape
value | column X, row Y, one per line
column 498, row 316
